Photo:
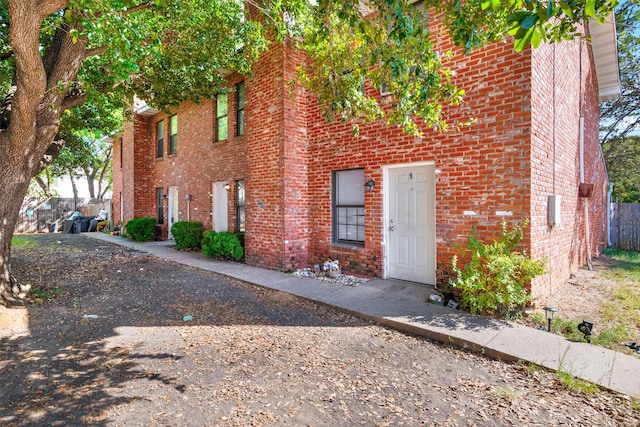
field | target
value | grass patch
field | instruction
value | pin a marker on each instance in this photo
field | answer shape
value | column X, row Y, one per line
column 623, row 255
column 23, row 242
column 626, row 265
column 620, row 316
column 41, row 294
column 566, row 379
column 531, row 368
column 506, row 393
column 574, row 384
column 568, row 328
column 565, row 327
column 610, row 336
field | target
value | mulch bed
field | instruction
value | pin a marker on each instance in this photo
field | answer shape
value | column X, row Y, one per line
column 114, row 348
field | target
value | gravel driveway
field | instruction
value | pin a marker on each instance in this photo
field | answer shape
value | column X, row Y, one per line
column 112, row 347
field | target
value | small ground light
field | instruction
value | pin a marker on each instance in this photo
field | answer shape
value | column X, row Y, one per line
column 549, row 312
column 586, row 328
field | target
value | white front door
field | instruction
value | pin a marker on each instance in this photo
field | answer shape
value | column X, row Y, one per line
column 173, row 208
column 219, row 209
column 410, row 222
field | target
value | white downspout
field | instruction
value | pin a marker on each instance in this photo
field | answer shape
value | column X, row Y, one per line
column 585, row 200
column 609, row 193
column 581, row 148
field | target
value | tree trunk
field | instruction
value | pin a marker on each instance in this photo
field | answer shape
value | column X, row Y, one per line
column 103, row 172
column 14, row 189
column 44, row 186
column 91, row 176
column 41, row 83
column 74, row 186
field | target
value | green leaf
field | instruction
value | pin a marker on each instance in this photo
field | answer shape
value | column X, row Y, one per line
column 494, row 4
column 566, row 9
column 524, row 41
column 550, row 9
column 536, row 38
column 529, row 21
column 517, row 16
column 590, row 8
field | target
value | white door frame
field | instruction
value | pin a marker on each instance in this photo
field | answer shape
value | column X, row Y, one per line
column 386, row 188
column 220, row 207
column 172, row 216
column 121, row 208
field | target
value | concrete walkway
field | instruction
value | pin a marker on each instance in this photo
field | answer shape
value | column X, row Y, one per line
column 402, row 305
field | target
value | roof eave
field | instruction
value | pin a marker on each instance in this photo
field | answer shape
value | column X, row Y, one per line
column 604, row 43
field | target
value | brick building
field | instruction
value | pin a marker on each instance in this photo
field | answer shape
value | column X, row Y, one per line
column 255, row 161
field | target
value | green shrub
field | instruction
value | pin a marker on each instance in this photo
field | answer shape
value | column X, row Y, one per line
column 223, row 245
column 494, row 279
column 187, row 234
column 141, row 229
column 240, row 236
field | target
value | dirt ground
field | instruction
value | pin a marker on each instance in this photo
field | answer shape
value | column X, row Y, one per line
column 113, row 347
column 582, row 297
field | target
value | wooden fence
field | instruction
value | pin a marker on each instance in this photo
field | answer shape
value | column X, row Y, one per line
column 48, row 215
column 625, row 226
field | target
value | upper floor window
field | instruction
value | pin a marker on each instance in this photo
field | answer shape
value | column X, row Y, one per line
column 173, row 134
column 160, row 139
column 348, row 206
column 240, row 109
column 222, row 111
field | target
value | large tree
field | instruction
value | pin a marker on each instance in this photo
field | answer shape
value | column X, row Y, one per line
column 85, row 157
column 57, row 54
column 87, row 151
column 620, row 118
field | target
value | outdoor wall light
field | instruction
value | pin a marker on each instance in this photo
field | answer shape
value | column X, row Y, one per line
column 188, row 197
column 549, row 312
column 227, row 187
column 586, row 328
column 369, row 186
column 164, row 196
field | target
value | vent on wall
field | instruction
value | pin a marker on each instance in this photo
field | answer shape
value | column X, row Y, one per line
column 585, row 190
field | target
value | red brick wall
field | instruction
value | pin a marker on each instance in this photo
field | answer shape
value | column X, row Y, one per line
column 595, row 171
column 482, row 168
column 265, row 211
column 502, row 163
column 198, row 163
column 296, row 165
column 556, row 160
column 125, row 173
column 116, row 179
column 142, row 165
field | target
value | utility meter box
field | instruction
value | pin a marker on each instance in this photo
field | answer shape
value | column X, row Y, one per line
column 554, row 210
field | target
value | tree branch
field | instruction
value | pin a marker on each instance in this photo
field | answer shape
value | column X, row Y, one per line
column 50, row 155
column 6, row 56
column 29, row 77
column 95, row 51
column 48, row 7
column 129, row 11
column 46, row 189
column 141, row 6
column 104, row 169
column 73, row 98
